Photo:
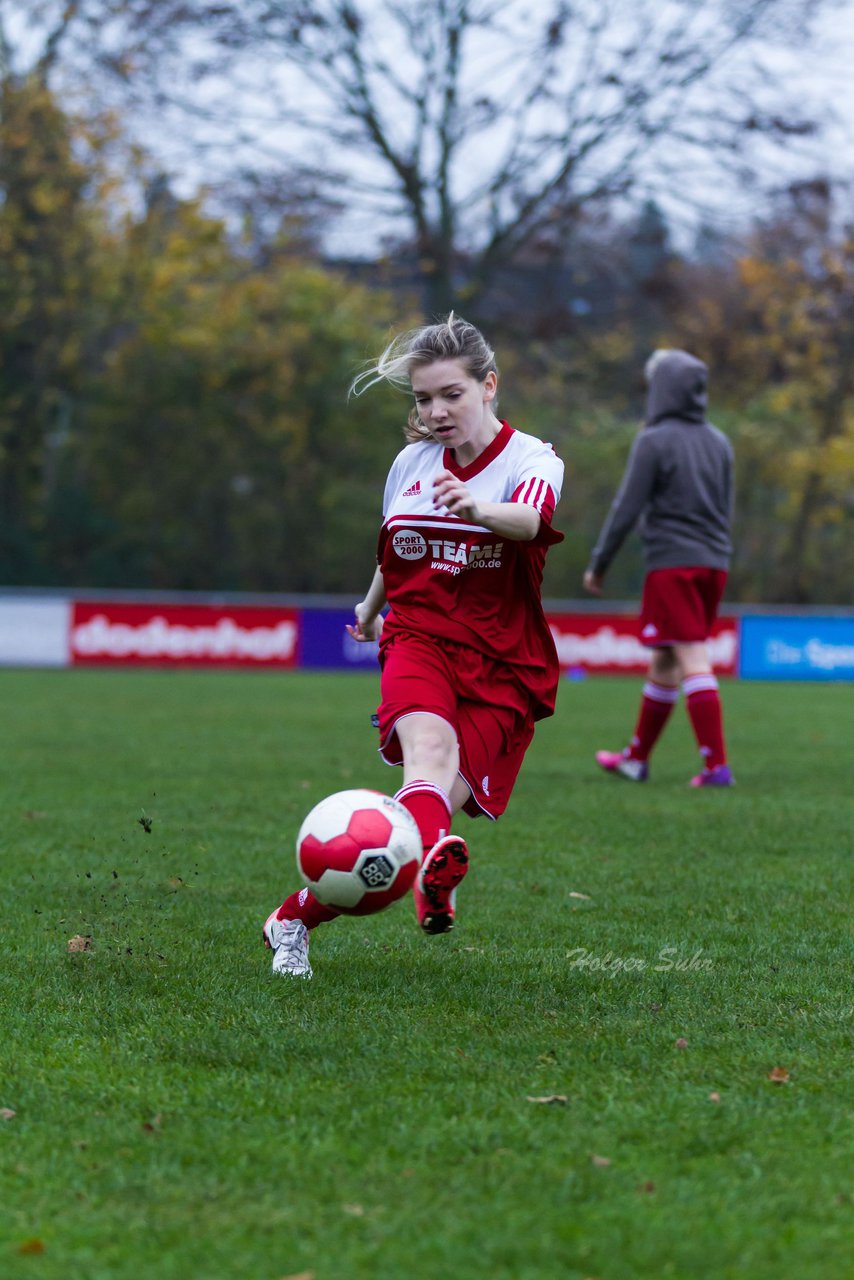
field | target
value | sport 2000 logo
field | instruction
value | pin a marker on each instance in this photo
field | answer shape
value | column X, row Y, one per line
column 409, row 544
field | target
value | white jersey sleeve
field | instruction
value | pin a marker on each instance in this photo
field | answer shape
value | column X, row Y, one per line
column 539, row 475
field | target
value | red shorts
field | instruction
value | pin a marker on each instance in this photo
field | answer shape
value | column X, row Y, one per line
column 679, row 606
column 482, row 700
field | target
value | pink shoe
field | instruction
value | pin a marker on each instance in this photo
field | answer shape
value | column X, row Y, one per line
column 436, row 884
column 720, row 776
column 624, row 766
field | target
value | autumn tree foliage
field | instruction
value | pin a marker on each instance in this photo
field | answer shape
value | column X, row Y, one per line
column 222, row 448
column 48, row 276
column 465, row 129
column 776, row 322
column 174, row 371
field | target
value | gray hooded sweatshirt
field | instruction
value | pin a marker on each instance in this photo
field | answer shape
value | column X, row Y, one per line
column 678, row 480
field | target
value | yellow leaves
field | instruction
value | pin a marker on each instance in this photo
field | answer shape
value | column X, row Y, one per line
column 754, row 273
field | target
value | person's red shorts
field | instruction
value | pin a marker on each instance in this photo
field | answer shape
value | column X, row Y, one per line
column 679, row 606
column 480, row 698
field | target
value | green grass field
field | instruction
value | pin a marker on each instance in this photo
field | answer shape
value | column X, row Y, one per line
column 649, row 954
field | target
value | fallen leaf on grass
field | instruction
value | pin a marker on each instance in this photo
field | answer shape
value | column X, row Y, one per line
column 80, row 942
column 601, row 1162
column 681, row 1043
column 152, row 1126
column 354, row 1210
column 647, row 1188
column 573, row 893
column 714, row 1097
column 31, row 1246
column 549, row 1099
column 6, row 1113
column 300, row 1275
column 779, row 1075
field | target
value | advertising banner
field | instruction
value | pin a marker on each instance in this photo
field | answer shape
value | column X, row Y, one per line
column 33, row 633
column 56, row 632
column 796, row 648
column 157, row 635
column 325, row 642
column 607, row 644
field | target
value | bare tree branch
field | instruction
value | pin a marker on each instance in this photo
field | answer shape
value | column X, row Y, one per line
column 470, row 121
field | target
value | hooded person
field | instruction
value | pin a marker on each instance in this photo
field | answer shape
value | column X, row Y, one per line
column 678, row 489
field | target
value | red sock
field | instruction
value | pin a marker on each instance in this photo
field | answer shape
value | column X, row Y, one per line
column 304, row 906
column 431, row 809
column 656, row 706
column 704, row 707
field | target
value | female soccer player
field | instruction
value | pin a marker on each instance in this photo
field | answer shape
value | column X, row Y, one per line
column 467, row 660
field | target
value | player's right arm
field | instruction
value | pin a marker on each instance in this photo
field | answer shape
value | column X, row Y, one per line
column 632, row 496
column 368, row 612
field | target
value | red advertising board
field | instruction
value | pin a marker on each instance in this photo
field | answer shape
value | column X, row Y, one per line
column 607, row 643
column 158, row 635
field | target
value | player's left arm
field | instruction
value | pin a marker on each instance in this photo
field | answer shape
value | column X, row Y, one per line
column 518, row 520
column 511, row 520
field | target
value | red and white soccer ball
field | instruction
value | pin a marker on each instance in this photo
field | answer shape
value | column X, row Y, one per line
column 358, row 851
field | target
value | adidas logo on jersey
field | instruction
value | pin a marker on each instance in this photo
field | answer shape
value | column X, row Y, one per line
column 413, row 490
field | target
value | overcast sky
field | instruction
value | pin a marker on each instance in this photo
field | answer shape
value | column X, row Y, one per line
column 822, row 80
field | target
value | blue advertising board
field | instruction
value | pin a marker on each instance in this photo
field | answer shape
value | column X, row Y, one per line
column 781, row 647
column 324, row 642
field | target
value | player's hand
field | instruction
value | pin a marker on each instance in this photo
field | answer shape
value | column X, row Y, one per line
column 593, row 583
column 450, row 492
column 367, row 627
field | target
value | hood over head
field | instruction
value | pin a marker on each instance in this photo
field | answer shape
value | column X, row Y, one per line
column 677, row 387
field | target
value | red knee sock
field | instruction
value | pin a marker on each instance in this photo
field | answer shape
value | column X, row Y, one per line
column 656, row 706
column 703, row 701
column 304, row 906
column 431, row 809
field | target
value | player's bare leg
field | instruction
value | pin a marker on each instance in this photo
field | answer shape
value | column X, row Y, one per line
column 432, row 793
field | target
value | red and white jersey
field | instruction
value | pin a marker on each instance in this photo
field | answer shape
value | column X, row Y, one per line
column 453, row 580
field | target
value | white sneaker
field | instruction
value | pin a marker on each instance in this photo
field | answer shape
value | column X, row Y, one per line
column 288, row 940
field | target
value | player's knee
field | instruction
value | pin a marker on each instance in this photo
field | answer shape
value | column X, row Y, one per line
column 433, row 746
